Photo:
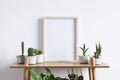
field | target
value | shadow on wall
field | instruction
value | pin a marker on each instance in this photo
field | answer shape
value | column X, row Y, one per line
column 40, row 34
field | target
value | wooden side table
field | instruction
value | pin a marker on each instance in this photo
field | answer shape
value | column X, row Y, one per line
column 91, row 67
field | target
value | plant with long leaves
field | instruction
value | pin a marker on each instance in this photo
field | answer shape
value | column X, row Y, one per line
column 84, row 49
column 75, row 76
column 97, row 53
column 47, row 76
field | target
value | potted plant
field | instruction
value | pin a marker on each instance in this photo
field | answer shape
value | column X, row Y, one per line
column 21, row 58
column 48, row 76
column 31, row 56
column 40, row 56
column 84, row 58
column 75, row 76
column 97, row 54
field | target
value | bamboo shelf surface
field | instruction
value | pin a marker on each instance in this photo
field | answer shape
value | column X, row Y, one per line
column 59, row 65
column 103, row 65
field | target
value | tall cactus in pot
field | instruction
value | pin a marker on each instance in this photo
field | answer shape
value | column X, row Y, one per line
column 21, row 58
column 22, row 48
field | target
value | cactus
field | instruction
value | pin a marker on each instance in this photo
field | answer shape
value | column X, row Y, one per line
column 31, row 52
column 84, row 49
column 22, row 48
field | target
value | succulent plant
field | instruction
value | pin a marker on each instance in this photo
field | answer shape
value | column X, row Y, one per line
column 38, row 52
column 84, row 49
column 75, row 76
column 97, row 53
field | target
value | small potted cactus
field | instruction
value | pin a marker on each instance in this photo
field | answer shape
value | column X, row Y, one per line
column 31, row 56
column 97, row 54
column 21, row 58
column 83, row 58
column 40, row 55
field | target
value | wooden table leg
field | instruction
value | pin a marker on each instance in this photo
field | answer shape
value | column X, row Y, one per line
column 90, row 74
column 93, row 68
column 26, row 73
column 93, row 73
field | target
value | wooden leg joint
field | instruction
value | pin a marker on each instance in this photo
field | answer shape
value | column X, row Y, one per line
column 26, row 74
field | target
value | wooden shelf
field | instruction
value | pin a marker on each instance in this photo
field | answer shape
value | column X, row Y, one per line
column 91, row 67
column 59, row 65
column 103, row 65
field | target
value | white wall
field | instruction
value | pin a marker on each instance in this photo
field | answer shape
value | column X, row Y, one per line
column 98, row 21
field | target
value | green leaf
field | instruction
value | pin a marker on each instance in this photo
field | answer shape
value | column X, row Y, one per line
column 84, row 49
column 80, row 77
column 98, row 49
column 35, row 76
column 59, row 78
column 42, row 76
column 84, row 46
column 49, row 75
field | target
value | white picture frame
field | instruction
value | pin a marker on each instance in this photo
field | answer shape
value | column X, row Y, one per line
column 60, row 39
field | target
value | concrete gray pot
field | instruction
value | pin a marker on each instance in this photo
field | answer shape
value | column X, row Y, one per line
column 20, row 59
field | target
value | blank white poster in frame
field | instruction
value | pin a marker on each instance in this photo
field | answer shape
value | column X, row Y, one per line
column 60, row 39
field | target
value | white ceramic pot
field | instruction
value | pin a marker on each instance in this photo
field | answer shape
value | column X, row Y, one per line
column 40, row 58
column 84, row 59
column 98, row 61
column 32, row 59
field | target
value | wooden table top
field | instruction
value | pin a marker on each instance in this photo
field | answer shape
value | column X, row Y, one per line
column 59, row 65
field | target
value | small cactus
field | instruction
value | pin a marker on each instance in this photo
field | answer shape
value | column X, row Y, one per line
column 22, row 48
column 31, row 52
